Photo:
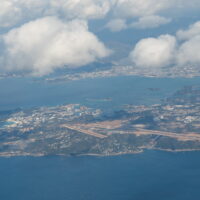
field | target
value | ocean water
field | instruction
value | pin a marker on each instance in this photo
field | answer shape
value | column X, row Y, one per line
column 26, row 92
column 152, row 175
column 2, row 124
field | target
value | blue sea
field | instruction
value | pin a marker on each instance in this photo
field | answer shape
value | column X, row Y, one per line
column 28, row 92
column 152, row 175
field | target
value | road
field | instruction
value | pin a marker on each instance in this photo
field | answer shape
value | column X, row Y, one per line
column 98, row 135
column 179, row 136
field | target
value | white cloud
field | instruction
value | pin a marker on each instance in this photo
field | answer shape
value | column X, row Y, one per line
column 148, row 13
column 17, row 11
column 151, row 21
column 13, row 12
column 164, row 50
column 58, row 45
column 85, row 9
column 135, row 8
column 193, row 31
column 42, row 45
column 9, row 14
column 117, row 25
column 189, row 52
column 154, row 52
column 145, row 22
column 144, row 12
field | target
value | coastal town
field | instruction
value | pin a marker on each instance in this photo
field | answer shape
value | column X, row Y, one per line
column 116, row 70
column 75, row 129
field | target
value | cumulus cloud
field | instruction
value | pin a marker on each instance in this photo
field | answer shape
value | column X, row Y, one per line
column 132, row 8
column 154, row 52
column 17, row 11
column 39, row 41
column 117, row 25
column 14, row 12
column 151, row 21
column 182, row 49
column 42, row 45
column 87, row 9
column 145, row 22
column 9, row 15
column 148, row 13
column 189, row 52
column 143, row 11
column 42, row 35
column 194, row 30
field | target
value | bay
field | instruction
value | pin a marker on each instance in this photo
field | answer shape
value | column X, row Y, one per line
column 29, row 92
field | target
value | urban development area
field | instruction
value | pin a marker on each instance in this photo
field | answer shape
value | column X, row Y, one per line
column 70, row 130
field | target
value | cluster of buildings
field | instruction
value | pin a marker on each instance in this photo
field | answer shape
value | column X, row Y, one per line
column 129, row 70
column 48, row 115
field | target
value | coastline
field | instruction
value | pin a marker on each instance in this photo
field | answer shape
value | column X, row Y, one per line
column 7, row 155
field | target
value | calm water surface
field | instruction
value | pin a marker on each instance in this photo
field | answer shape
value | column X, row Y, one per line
column 26, row 92
column 152, row 175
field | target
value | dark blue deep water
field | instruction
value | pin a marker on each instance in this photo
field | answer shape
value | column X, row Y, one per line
column 152, row 175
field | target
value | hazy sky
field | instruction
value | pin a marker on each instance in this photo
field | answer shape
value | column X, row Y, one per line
column 38, row 37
